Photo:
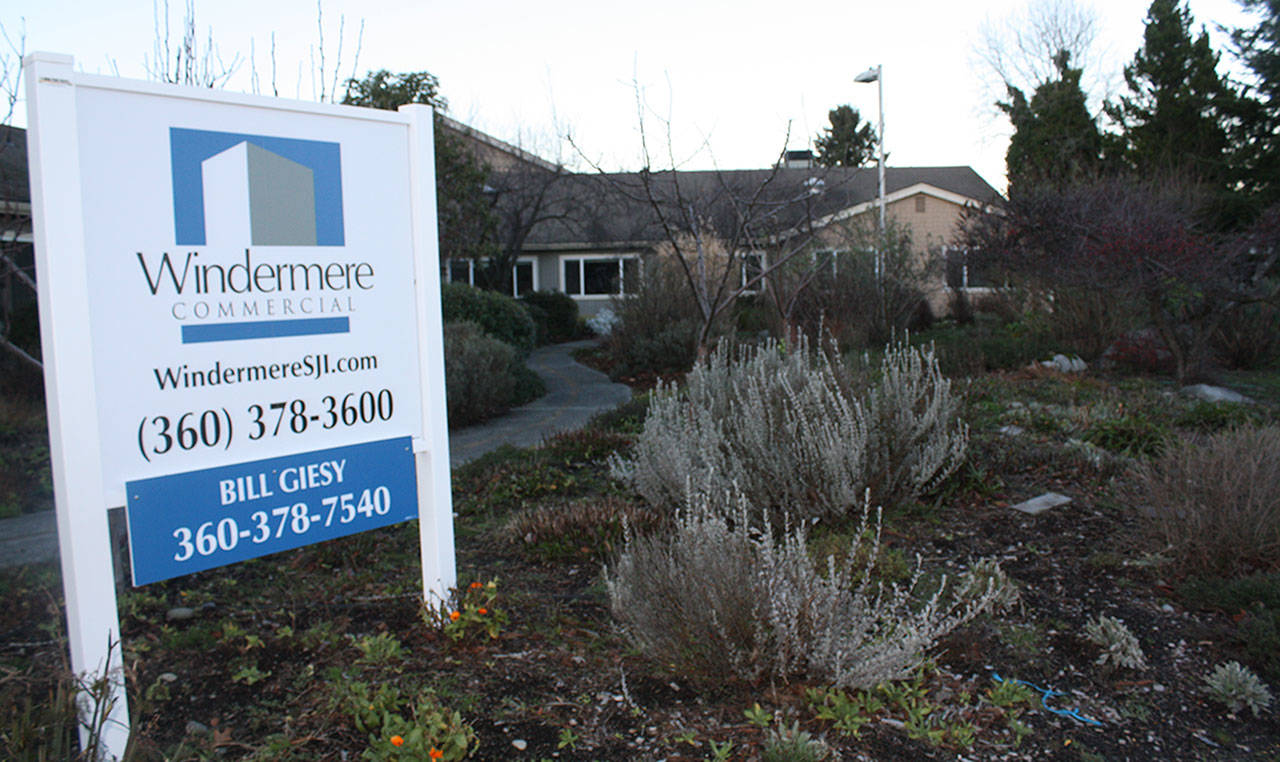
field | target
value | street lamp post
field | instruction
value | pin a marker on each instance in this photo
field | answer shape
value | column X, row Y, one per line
column 875, row 74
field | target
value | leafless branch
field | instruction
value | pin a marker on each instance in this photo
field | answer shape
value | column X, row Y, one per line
column 1018, row 50
column 189, row 64
column 711, row 224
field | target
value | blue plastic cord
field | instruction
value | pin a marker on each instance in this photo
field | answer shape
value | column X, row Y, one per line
column 1045, row 695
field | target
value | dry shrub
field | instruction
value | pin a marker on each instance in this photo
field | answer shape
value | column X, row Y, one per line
column 788, row 429
column 1086, row 321
column 722, row 599
column 585, row 527
column 1216, row 500
column 1248, row 337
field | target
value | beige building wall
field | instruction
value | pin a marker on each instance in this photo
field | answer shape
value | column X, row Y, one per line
column 933, row 222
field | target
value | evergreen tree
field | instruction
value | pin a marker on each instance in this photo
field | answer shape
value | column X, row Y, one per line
column 467, row 223
column 845, row 143
column 384, row 90
column 1257, row 161
column 1055, row 139
column 1174, row 118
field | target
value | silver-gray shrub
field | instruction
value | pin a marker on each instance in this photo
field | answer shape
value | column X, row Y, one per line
column 788, row 429
column 1238, row 687
column 916, row 441
column 724, row 597
column 1120, row 647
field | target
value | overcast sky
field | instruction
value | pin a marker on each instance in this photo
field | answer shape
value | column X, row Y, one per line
column 733, row 77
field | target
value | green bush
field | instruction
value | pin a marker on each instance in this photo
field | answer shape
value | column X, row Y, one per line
column 483, row 376
column 1132, row 435
column 987, row 344
column 555, row 313
column 1255, row 602
column 657, row 328
column 1208, row 417
column 499, row 316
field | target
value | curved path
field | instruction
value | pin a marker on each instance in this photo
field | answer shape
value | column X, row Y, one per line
column 575, row 393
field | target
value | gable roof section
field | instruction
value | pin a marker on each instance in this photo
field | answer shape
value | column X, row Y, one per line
column 615, row 210
column 492, row 151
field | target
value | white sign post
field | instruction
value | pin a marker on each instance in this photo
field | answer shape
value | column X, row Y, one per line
column 240, row 317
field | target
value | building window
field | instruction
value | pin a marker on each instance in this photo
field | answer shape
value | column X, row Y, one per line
column 600, row 276
column 524, row 277
column 524, row 273
column 960, row 273
column 920, row 203
column 753, row 264
column 828, row 261
column 459, row 271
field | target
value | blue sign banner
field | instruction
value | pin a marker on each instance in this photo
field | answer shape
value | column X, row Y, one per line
column 189, row 522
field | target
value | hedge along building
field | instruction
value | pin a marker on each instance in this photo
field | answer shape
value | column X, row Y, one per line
column 589, row 235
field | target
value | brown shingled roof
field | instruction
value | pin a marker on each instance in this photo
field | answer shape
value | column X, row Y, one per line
column 615, row 210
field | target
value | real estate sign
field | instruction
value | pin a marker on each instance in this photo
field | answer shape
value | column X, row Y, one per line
column 240, row 317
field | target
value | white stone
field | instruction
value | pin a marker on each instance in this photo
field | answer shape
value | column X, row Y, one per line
column 520, row 744
column 1064, row 364
column 1042, row 503
column 1214, row 394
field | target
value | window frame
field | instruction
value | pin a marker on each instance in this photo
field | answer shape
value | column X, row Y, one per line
column 582, row 259
column 515, row 279
column 744, row 278
column 447, row 265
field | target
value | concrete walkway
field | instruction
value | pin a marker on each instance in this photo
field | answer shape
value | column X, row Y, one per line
column 575, row 393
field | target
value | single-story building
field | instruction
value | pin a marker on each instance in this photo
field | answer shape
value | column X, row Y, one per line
column 605, row 225
column 610, row 223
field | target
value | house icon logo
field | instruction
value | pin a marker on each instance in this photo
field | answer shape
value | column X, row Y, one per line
column 236, row 190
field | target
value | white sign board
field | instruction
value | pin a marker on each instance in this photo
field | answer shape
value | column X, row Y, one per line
column 240, row 318
column 252, row 281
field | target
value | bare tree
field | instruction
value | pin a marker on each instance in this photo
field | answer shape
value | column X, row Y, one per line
column 527, row 192
column 1136, row 242
column 1019, row 50
column 726, row 232
column 841, row 288
column 17, row 273
column 187, row 62
column 327, row 88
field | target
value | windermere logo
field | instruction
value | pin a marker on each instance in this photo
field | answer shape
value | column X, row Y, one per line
column 235, row 189
column 236, row 192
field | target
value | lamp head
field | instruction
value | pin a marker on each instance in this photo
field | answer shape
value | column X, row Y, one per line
column 870, row 75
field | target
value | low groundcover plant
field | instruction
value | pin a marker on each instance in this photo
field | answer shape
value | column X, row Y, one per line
column 1238, row 687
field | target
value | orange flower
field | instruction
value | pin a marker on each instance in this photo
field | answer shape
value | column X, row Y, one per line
column 397, row 741
column 476, row 585
column 482, row 612
column 453, row 615
column 435, row 753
